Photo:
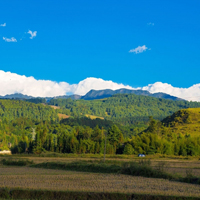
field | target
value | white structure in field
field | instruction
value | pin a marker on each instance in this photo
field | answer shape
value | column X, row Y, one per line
column 5, row 152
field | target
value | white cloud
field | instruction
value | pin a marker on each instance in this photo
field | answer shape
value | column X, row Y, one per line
column 150, row 24
column 13, row 83
column 191, row 94
column 139, row 49
column 12, row 39
column 3, row 24
column 97, row 84
column 33, row 34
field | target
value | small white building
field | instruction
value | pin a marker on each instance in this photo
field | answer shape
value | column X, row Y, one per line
column 5, row 152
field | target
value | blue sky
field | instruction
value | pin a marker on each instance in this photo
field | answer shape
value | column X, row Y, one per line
column 77, row 39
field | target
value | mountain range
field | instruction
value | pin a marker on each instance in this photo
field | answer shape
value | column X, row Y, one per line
column 96, row 94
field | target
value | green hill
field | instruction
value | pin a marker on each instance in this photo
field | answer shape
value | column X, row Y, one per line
column 13, row 109
column 186, row 122
column 125, row 109
column 178, row 134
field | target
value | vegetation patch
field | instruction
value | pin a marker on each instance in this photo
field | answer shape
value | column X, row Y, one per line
column 61, row 195
column 16, row 162
column 144, row 169
column 141, row 168
column 130, row 168
column 81, row 166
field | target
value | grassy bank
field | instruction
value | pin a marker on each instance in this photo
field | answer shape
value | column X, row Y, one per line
column 16, row 162
column 130, row 168
column 141, row 168
column 99, row 156
column 63, row 195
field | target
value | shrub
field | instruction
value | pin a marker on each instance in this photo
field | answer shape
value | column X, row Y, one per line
column 14, row 162
column 143, row 169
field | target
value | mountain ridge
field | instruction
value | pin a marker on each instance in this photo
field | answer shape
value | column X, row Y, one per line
column 96, row 94
column 100, row 94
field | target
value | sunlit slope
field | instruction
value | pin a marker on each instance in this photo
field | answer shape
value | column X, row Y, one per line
column 185, row 121
column 93, row 117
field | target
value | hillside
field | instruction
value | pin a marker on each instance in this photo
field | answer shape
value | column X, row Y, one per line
column 13, row 109
column 186, row 122
column 178, row 134
column 123, row 108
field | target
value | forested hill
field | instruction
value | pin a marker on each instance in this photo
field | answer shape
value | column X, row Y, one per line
column 186, row 122
column 12, row 109
column 123, row 108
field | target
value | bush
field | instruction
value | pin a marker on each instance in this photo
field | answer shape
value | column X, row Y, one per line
column 14, row 162
column 190, row 178
column 143, row 169
column 81, row 166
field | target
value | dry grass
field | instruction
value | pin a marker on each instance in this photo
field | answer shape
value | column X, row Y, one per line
column 179, row 166
column 63, row 116
column 31, row 178
column 172, row 166
column 93, row 117
column 55, row 107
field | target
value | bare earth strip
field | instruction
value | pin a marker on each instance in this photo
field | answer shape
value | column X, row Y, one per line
column 32, row 178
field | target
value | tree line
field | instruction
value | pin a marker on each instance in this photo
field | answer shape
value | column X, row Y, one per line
column 78, row 139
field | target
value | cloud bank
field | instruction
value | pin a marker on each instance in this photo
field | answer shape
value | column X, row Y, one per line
column 33, row 34
column 12, row 39
column 97, row 84
column 13, row 83
column 191, row 94
column 138, row 49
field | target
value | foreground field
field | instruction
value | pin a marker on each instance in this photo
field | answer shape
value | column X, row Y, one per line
column 172, row 166
column 46, row 179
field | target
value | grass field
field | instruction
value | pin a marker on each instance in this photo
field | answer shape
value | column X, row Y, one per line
column 25, row 177
column 170, row 165
column 47, row 179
